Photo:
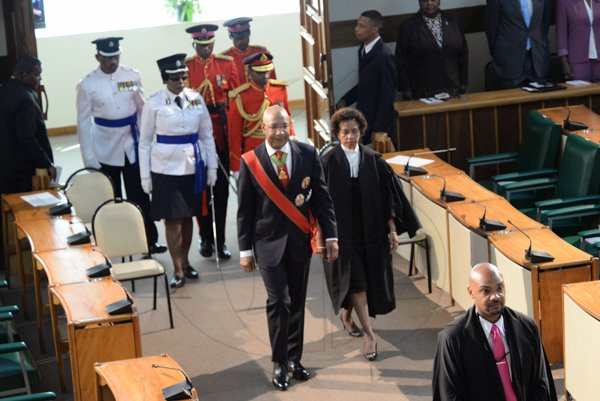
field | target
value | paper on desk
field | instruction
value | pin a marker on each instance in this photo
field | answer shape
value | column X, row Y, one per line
column 41, row 199
column 414, row 161
column 431, row 100
column 578, row 82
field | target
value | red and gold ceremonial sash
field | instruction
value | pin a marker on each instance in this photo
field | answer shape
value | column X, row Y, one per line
column 279, row 199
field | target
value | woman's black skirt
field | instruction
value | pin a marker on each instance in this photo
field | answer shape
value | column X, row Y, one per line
column 173, row 197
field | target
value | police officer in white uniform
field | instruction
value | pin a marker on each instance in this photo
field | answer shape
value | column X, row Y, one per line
column 109, row 102
column 178, row 159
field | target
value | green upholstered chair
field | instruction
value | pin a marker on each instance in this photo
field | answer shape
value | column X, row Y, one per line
column 32, row 397
column 576, row 187
column 537, row 152
column 17, row 370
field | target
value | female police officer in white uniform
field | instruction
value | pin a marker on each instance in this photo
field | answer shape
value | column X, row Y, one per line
column 182, row 161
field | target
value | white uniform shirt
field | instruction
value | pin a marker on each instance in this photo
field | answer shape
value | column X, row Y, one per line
column 110, row 96
column 162, row 116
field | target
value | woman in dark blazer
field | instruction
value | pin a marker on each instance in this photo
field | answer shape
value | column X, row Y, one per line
column 369, row 213
column 577, row 36
column 431, row 54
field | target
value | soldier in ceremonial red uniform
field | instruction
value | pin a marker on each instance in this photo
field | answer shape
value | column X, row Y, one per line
column 213, row 75
column 247, row 104
column 239, row 32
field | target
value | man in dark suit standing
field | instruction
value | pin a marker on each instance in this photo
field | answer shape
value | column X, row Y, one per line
column 517, row 34
column 492, row 352
column 375, row 92
column 281, row 182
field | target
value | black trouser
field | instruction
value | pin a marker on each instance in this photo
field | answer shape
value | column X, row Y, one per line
column 135, row 193
column 286, row 291
column 221, row 193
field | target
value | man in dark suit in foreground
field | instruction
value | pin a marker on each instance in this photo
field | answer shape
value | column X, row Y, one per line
column 492, row 352
column 517, row 34
column 280, row 183
column 375, row 92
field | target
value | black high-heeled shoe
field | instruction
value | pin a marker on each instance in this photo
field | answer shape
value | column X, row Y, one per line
column 371, row 356
column 354, row 331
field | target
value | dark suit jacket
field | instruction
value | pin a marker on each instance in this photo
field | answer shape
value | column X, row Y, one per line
column 573, row 30
column 507, row 37
column 423, row 67
column 24, row 143
column 375, row 92
column 263, row 227
column 464, row 367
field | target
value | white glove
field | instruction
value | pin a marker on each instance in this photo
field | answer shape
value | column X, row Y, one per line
column 147, row 185
column 235, row 174
column 211, row 177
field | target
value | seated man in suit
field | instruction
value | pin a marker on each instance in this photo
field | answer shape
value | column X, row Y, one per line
column 281, row 183
column 492, row 352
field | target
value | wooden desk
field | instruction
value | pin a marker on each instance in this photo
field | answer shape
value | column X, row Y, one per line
column 535, row 289
column 480, row 123
column 578, row 113
column 136, row 379
column 93, row 335
column 12, row 203
column 62, row 266
column 469, row 244
column 44, row 233
column 581, row 308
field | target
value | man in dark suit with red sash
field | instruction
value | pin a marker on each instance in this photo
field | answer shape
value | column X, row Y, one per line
column 281, row 182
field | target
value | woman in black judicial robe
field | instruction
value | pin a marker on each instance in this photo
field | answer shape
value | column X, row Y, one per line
column 370, row 210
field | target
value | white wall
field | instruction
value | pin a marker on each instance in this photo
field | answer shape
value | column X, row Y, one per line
column 67, row 59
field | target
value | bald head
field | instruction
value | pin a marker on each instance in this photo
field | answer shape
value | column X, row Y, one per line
column 276, row 126
column 486, row 287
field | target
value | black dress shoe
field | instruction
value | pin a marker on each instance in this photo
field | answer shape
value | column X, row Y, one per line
column 298, row 371
column 280, row 376
column 177, row 282
column 224, row 252
column 157, row 248
column 206, row 249
column 190, row 272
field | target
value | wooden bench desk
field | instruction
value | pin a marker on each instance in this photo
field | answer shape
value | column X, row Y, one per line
column 136, row 379
column 92, row 334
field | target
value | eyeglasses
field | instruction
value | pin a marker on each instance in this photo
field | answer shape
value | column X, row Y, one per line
column 353, row 132
column 180, row 78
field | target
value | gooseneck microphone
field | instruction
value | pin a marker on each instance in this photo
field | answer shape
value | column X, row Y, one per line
column 412, row 171
column 488, row 224
column 178, row 391
column 572, row 125
column 530, row 254
column 448, row 196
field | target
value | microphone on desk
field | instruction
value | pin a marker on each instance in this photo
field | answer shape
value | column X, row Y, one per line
column 530, row 254
column 488, row 224
column 60, row 209
column 178, row 391
column 412, row 171
column 99, row 270
column 573, row 125
column 448, row 196
column 80, row 238
column 121, row 306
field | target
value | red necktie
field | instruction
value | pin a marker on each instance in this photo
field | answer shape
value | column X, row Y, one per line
column 502, row 364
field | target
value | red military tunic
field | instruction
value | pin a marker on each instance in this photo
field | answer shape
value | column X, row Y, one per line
column 247, row 104
column 238, row 59
column 213, row 78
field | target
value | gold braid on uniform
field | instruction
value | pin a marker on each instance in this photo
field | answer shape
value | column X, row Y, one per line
column 206, row 86
column 251, row 117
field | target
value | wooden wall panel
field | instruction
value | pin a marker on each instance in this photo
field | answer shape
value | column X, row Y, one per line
column 459, row 133
column 410, row 133
column 436, row 133
column 485, row 138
